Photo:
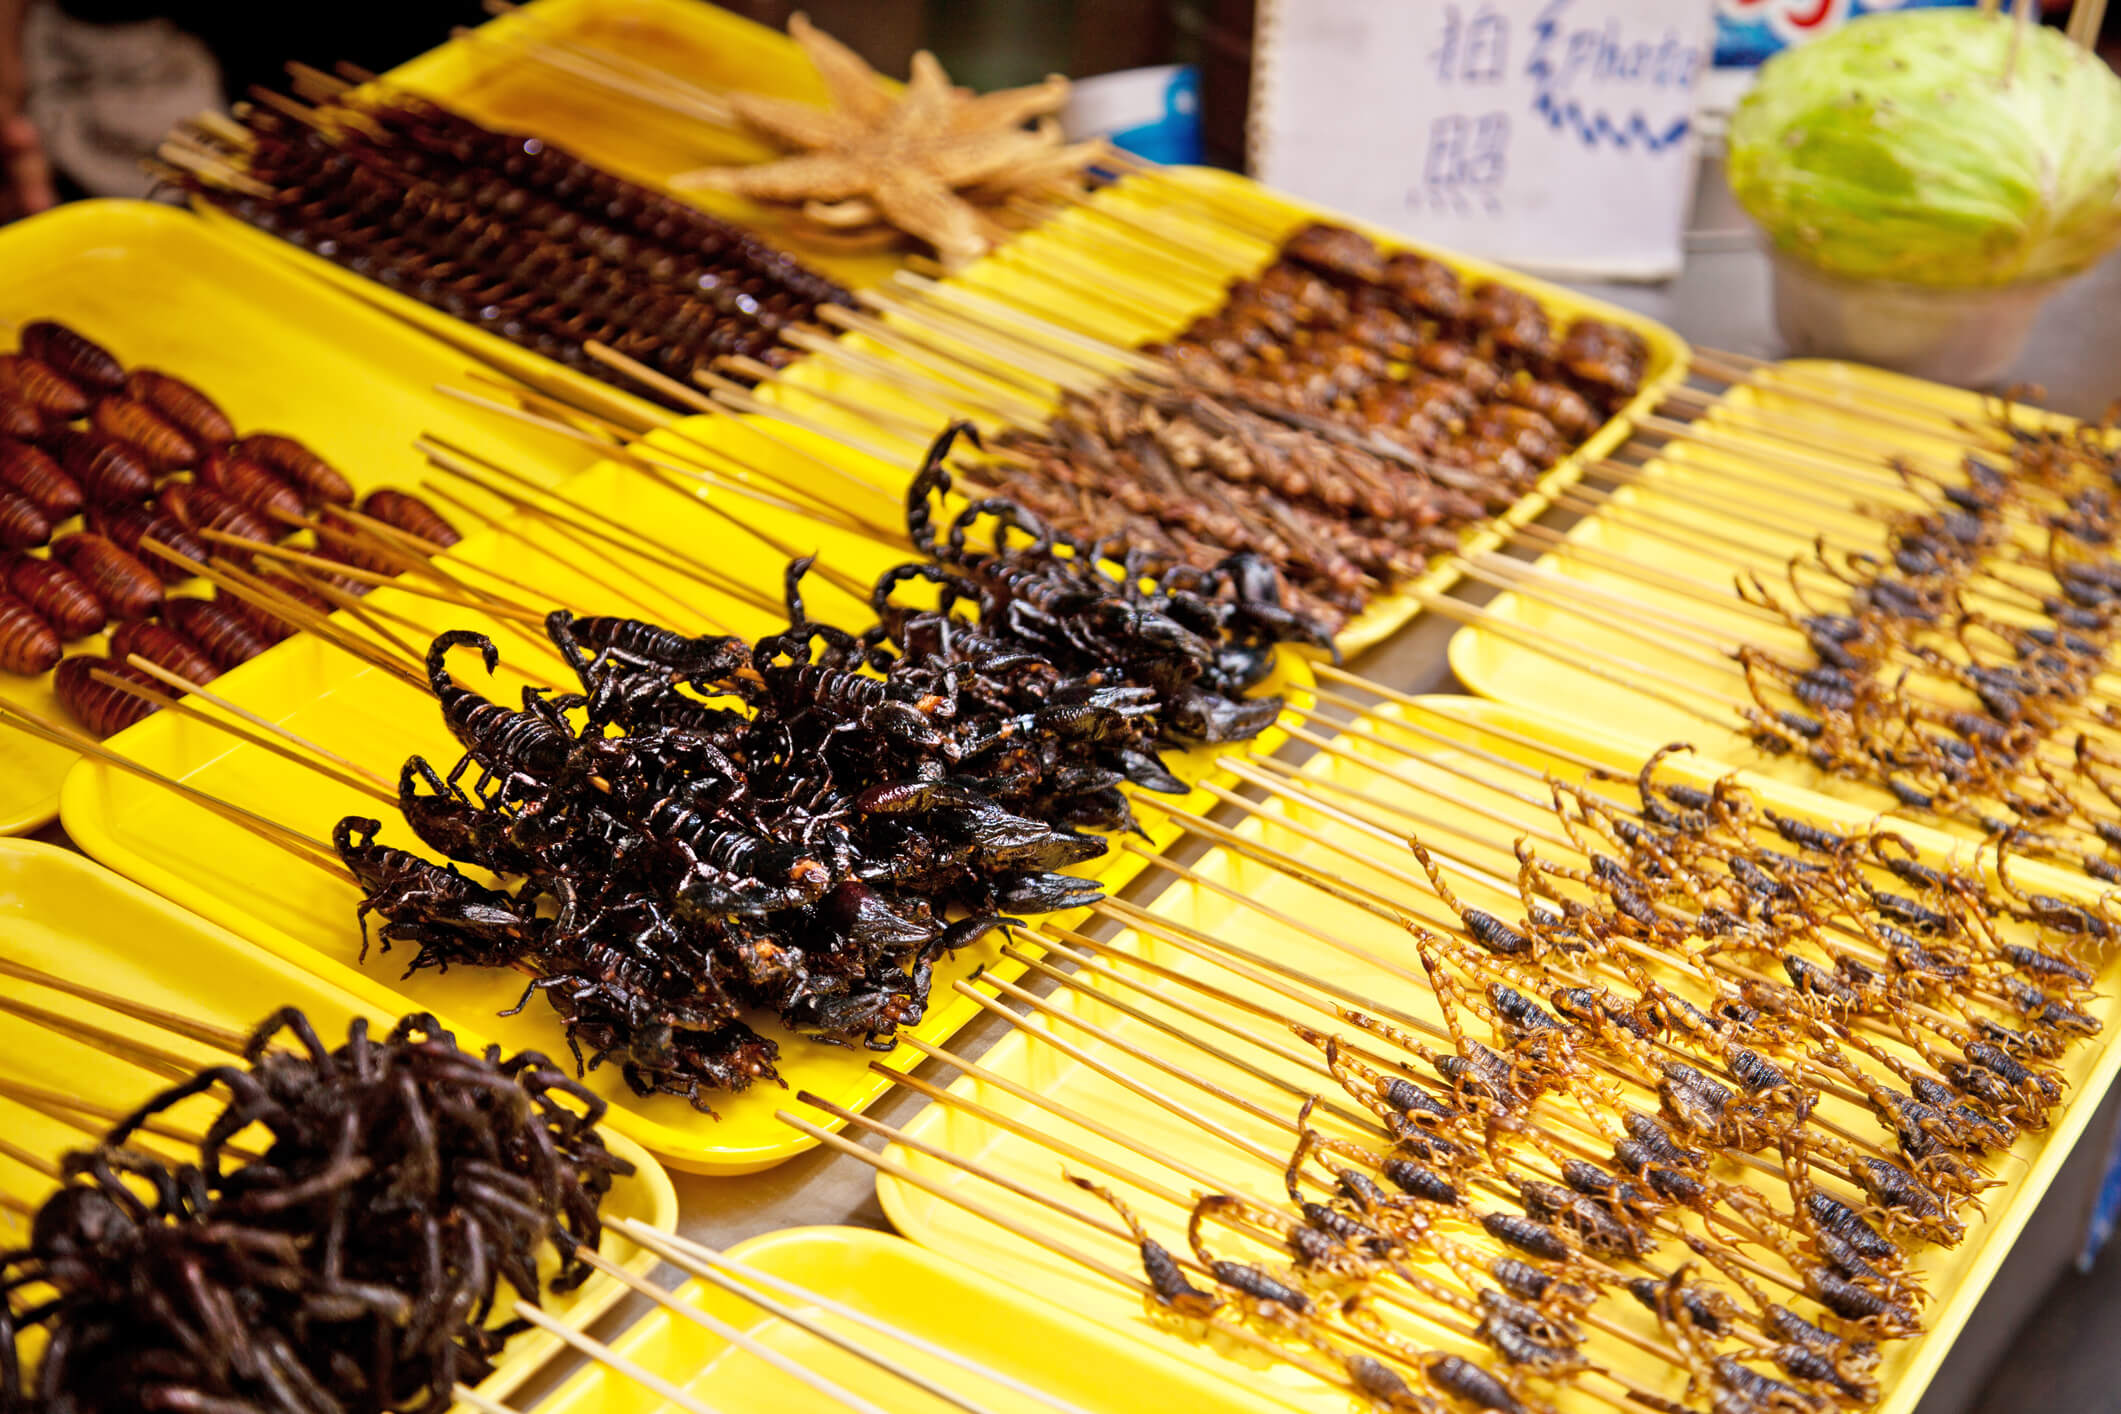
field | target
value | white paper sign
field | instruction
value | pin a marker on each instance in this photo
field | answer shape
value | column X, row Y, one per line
column 1555, row 134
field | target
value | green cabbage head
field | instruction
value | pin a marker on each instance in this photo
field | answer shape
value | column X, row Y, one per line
column 1911, row 147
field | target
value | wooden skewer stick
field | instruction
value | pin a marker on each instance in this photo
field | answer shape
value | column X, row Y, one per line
column 1101, row 1224
column 1833, row 390
column 989, row 341
column 1812, row 403
column 204, row 1033
column 1364, row 1124
column 90, row 1118
column 1519, row 824
column 1048, row 1243
column 916, row 345
column 470, row 1398
column 1350, row 1045
column 686, row 1312
column 1180, row 936
column 1710, row 593
column 739, row 1279
column 1090, row 970
column 1048, row 1105
column 1459, row 864
column 150, row 1058
column 947, row 399
column 738, row 400
column 335, row 568
column 301, row 846
column 597, row 526
column 35, row 1163
column 1423, row 1310
column 251, row 590
column 1442, row 708
column 580, row 418
column 1115, row 1075
column 386, row 542
column 368, row 616
column 659, row 462
column 164, row 702
column 1041, row 333
column 1371, row 719
column 521, row 534
column 1041, row 1007
column 919, row 431
column 351, row 767
column 672, row 1393
column 1636, row 677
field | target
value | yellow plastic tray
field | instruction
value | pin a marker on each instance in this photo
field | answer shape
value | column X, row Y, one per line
column 1020, row 1335
column 61, row 913
column 1609, row 699
column 306, row 917
column 1955, row 1277
column 279, row 353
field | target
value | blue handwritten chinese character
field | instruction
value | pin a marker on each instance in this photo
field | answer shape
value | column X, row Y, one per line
column 1475, row 51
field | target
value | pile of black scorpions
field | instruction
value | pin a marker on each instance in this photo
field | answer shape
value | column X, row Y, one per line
column 803, row 825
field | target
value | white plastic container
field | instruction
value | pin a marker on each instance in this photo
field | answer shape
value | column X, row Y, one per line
column 1969, row 337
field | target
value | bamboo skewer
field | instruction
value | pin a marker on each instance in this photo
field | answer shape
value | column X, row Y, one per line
column 162, row 702
column 251, row 590
column 583, row 534
column 738, row 1278
column 686, row 1312
column 917, row 345
column 521, row 535
column 96, row 1120
column 1383, row 908
column 301, row 846
column 1364, row 1123
column 1135, row 1180
column 606, row 529
column 1456, row 863
column 1050, row 1244
column 1114, row 1231
column 351, row 767
column 670, row 1392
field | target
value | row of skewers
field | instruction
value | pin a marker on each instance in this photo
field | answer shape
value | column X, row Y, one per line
column 1352, row 462
column 1344, row 413
column 158, row 476
column 1675, row 1075
column 1941, row 637
column 504, row 231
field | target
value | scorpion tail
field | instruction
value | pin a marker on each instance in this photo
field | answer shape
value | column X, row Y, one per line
column 343, row 834
column 933, row 479
column 437, row 670
column 559, row 627
column 792, row 589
